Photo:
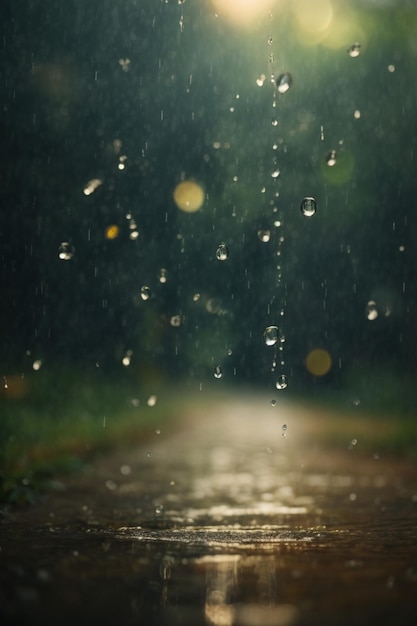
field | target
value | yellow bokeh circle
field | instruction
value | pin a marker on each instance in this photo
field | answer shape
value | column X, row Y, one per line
column 189, row 196
column 318, row 362
column 112, row 231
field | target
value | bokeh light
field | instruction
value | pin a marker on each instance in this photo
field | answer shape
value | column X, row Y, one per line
column 318, row 362
column 243, row 12
column 312, row 19
column 189, row 196
column 112, row 231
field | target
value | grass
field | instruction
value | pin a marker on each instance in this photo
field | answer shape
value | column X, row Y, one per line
column 62, row 420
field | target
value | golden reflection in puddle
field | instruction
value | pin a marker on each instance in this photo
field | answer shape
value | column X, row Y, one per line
column 222, row 589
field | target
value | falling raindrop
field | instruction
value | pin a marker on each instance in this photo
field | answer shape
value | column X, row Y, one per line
column 163, row 275
column 218, row 372
column 308, row 206
column 371, row 310
column 222, row 252
column 264, row 235
column 282, row 382
column 65, row 251
column 145, row 292
column 271, row 335
column 152, row 400
column 176, row 321
column 354, row 50
column 331, row 158
column 284, row 82
column 284, row 430
column 273, row 402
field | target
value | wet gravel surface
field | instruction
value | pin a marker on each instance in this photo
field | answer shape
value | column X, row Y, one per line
column 223, row 522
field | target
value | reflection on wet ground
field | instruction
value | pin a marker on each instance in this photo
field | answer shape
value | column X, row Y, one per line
column 224, row 523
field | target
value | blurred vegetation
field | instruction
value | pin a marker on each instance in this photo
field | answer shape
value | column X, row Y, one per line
column 125, row 81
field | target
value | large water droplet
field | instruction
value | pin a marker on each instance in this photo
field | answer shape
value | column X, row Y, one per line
column 354, row 50
column 65, row 251
column 284, row 82
column 271, row 335
column 222, row 252
column 282, row 382
column 145, row 292
column 218, row 372
column 308, row 207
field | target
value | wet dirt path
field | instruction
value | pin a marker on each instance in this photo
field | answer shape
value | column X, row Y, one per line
column 225, row 522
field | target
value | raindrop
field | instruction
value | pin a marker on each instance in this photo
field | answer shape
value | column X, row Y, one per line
column 271, row 335
column 284, row 82
column 149, row 455
column 354, row 50
column 275, row 173
column 371, row 310
column 264, row 235
column 331, row 158
column 222, row 252
column 218, row 372
column 282, row 382
column 308, row 206
column 37, row 365
column 162, row 275
column 151, row 400
column 65, row 251
column 284, row 430
column 145, row 293
column 175, row 320
column 273, row 402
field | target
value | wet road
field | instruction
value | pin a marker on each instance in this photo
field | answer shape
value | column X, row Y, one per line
column 224, row 522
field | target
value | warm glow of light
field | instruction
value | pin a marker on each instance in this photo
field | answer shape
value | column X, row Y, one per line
column 318, row 362
column 243, row 12
column 312, row 19
column 112, row 231
column 189, row 196
column 344, row 31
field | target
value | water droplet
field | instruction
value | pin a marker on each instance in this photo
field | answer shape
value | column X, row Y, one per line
column 149, row 455
column 275, row 173
column 162, row 275
column 152, row 400
column 218, row 372
column 354, row 50
column 284, row 82
column 371, row 310
column 157, row 431
column 196, row 297
column 331, row 158
column 264, row 235
column 271, row 335
column 284, row 430
column 37, row 365
column 65, row 251
column 282, row 382
column 145, row 292
column 308, row 207
column 222, row 252
column 273, row 402
column 176, row 320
